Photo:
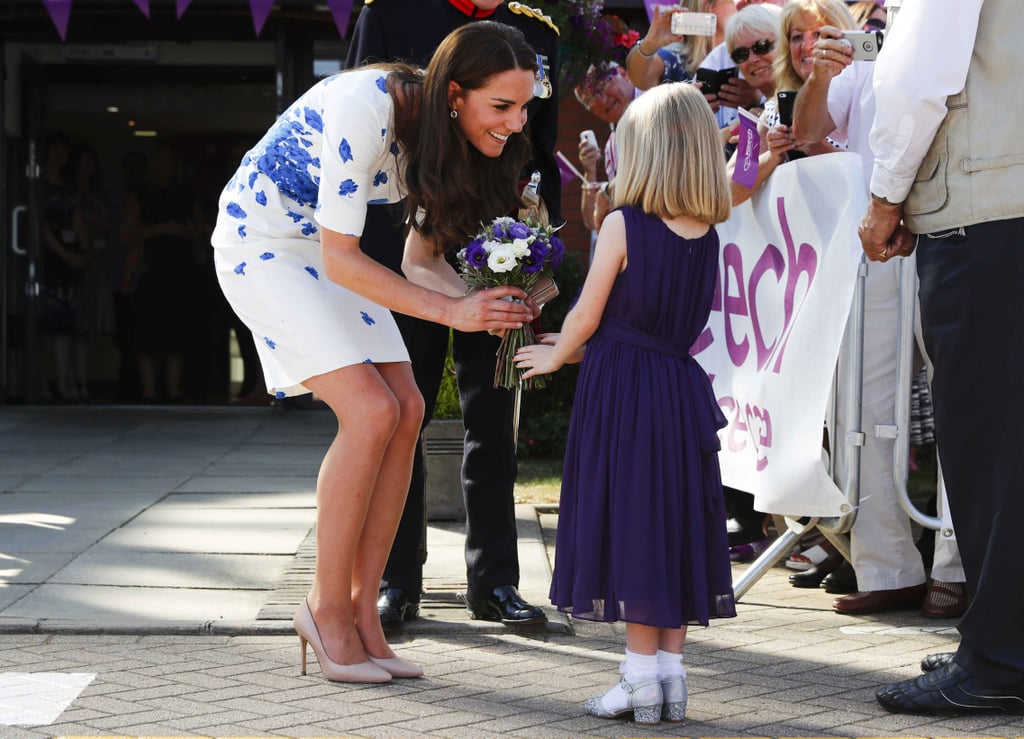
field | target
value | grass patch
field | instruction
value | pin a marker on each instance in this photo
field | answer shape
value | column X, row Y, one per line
column 539, row 480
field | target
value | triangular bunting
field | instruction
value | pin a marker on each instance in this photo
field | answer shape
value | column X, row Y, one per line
column 341, row 10
column 260, row 10
column 60, row 11
column 142, row 5
column 182, row 7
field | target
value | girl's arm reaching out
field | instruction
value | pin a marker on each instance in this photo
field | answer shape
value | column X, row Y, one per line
column 583, row 319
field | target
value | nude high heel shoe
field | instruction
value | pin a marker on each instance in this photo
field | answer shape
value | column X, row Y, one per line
column 398, row 667
column 363, row 672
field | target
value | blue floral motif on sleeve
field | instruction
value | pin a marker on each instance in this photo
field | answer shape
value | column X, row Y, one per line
column 313, row 272
column 252, row 178
column 366, row 318
column 267, row 255
column 314, row 121
column 367, row 361
column 394, row 148
column 382, row 84
column 261, row 197
column 306, row 142
column 296, row 217
column 240, row 269
column 380, row 178
column 345, row 151
column 308, row 229
column 383, row 132
column 280, row 394
column 235, row 211
column 270, row 342
column 348, row 187
column 241, row 231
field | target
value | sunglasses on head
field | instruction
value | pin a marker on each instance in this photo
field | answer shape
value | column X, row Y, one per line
column 760, row 47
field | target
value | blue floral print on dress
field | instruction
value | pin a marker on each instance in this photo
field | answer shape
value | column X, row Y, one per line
column 380, row 178
column 296, row 217
column 235, row 211
column 308, row 229
column 345, row 150
column 240, row 269
column 382, row 84
column 287, row 164
column 348, row 187
column 267, row 255
column 312, row 271
column 366, row 318
column 261, row 197
column 270, row 342
column 241, row 231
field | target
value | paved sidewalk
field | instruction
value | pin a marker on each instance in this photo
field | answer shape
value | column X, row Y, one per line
column 150, row 560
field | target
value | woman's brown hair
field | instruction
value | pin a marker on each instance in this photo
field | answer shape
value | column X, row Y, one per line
column 450, row 186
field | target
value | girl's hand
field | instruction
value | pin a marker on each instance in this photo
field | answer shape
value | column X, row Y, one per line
column 537, row 359
column 552, row 339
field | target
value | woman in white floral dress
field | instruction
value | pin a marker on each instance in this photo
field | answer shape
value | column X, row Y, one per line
column 288, row 259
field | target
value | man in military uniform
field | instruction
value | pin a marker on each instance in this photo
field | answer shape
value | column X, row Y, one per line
column 410, row 30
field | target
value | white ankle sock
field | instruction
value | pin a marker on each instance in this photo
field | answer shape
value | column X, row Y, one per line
column 639, row 667
column 670, row 664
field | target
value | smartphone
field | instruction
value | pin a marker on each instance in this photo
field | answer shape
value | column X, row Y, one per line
column 711, row 80
column 866, row 44
column 787, row 98
column 588, row 137
column 694, row 24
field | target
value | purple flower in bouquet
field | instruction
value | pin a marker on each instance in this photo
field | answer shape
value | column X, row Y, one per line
column 476, row 254
column 536, row 260
column 557, row 252
column 517, row 253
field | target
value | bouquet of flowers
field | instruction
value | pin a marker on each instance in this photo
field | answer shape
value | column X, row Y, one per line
column 511, row 252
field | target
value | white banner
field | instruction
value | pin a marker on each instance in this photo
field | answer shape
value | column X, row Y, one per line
column 785, row 285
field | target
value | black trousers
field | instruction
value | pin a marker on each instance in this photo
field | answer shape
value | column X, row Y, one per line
column 489, row 458
column 972, row 310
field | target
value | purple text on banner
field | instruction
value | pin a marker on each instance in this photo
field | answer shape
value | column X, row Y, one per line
column 182, row 7
column 60, row 11
column 748, row 147
column 341, row 11
column 260, row 10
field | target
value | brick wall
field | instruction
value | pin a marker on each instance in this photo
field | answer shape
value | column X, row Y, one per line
column 573, row 118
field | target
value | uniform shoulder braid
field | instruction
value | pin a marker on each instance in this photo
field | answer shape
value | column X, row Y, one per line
column 535, row 13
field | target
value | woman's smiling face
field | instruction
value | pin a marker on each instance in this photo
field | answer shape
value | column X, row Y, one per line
column 757, row 69
column 492, row 113
column 804, row 33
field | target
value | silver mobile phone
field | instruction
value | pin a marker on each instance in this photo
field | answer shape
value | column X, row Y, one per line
column 694, row 24
column 866, row 44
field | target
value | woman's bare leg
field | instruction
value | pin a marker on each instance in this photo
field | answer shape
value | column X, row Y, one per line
column 386, row 508
column 368, row 414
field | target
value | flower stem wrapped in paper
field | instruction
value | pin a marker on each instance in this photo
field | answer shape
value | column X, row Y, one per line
column 523, row 253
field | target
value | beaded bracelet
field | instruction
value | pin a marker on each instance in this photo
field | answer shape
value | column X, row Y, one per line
column 639, row 50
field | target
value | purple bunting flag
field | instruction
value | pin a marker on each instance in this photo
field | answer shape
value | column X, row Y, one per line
column 60, row 11
column 748, row 148
column 142, row 5
column 260, row 10
column 341, row 11
column 182, row 7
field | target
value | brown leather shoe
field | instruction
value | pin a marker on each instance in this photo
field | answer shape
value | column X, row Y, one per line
column 877, row 601
column 945, row 599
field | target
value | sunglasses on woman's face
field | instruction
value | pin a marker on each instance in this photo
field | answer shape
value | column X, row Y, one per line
column 760, row 47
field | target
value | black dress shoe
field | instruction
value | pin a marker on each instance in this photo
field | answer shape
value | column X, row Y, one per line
column 842, row 581
column 395, row 608
column 937, row 660
column 947, row 690
column 504, row 604
column 811, row 578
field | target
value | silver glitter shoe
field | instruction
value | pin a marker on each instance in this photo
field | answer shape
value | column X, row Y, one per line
column 642, row 698
column 673, row 706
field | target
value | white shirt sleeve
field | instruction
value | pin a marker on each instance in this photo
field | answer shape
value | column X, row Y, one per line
column 923, row 61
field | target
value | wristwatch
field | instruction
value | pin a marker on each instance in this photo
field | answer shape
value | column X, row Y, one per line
column 884, row 201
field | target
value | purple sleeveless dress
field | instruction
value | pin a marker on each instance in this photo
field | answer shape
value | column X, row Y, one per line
column 641, row 522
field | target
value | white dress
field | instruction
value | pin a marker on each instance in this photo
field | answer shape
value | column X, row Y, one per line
column 328, row 156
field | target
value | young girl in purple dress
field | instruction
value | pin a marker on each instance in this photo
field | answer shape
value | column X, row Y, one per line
column 641, row 533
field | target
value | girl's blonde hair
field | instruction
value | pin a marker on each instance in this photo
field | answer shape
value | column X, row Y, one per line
column 827, row 13
column 671, row 161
